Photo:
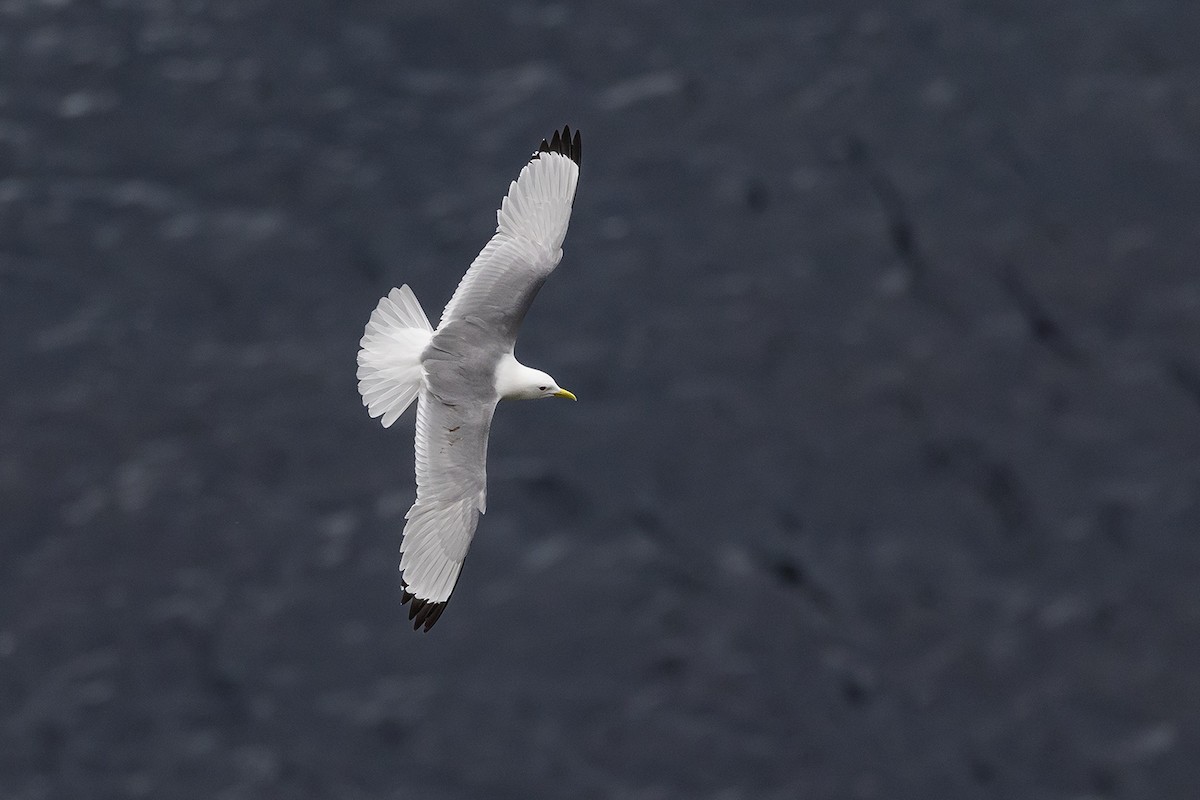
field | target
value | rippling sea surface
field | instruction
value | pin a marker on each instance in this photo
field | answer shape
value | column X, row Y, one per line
column 884, row 480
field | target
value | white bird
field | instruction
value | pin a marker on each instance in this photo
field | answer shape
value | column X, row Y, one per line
column 458, row 372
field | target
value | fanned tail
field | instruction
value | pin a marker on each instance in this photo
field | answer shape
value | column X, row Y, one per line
column 389, row 361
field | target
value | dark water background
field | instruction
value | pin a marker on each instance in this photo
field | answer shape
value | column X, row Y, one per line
column 884, row 481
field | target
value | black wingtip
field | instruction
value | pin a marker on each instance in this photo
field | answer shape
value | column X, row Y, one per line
column 421, row 612
column 563, row 143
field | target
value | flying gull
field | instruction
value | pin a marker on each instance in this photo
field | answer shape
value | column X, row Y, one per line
column 460, row 370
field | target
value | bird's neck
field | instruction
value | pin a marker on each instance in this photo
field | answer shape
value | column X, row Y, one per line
column 513, row 378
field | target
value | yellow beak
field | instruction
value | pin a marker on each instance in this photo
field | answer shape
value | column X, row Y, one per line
column 564, row 393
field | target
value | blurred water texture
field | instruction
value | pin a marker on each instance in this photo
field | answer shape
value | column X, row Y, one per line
column 883, row 482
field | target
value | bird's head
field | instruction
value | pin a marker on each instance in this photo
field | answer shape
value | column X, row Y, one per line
column 535, row 384
column 515, row 381
column 542, row 385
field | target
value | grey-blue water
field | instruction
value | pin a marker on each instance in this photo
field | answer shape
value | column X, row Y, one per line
column 884, row 481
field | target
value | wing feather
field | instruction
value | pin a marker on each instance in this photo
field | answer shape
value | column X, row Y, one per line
column 532, row 222
column 451, row 453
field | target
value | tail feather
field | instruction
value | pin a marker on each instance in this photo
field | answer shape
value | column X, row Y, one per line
column 389, row 361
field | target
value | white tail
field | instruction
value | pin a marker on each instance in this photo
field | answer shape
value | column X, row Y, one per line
column 389, row 361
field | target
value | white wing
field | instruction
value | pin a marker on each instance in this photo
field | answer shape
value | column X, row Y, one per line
column 454, row 415
column 531, row 225
column 451, row 451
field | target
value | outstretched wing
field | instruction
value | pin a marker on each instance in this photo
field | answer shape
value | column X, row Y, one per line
column 531, row 225
column 454, row 415
column 451, row 449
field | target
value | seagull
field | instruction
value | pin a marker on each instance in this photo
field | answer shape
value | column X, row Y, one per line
column 459, row 371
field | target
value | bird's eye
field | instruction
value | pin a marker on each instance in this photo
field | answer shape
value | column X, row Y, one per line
column 541, row 388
